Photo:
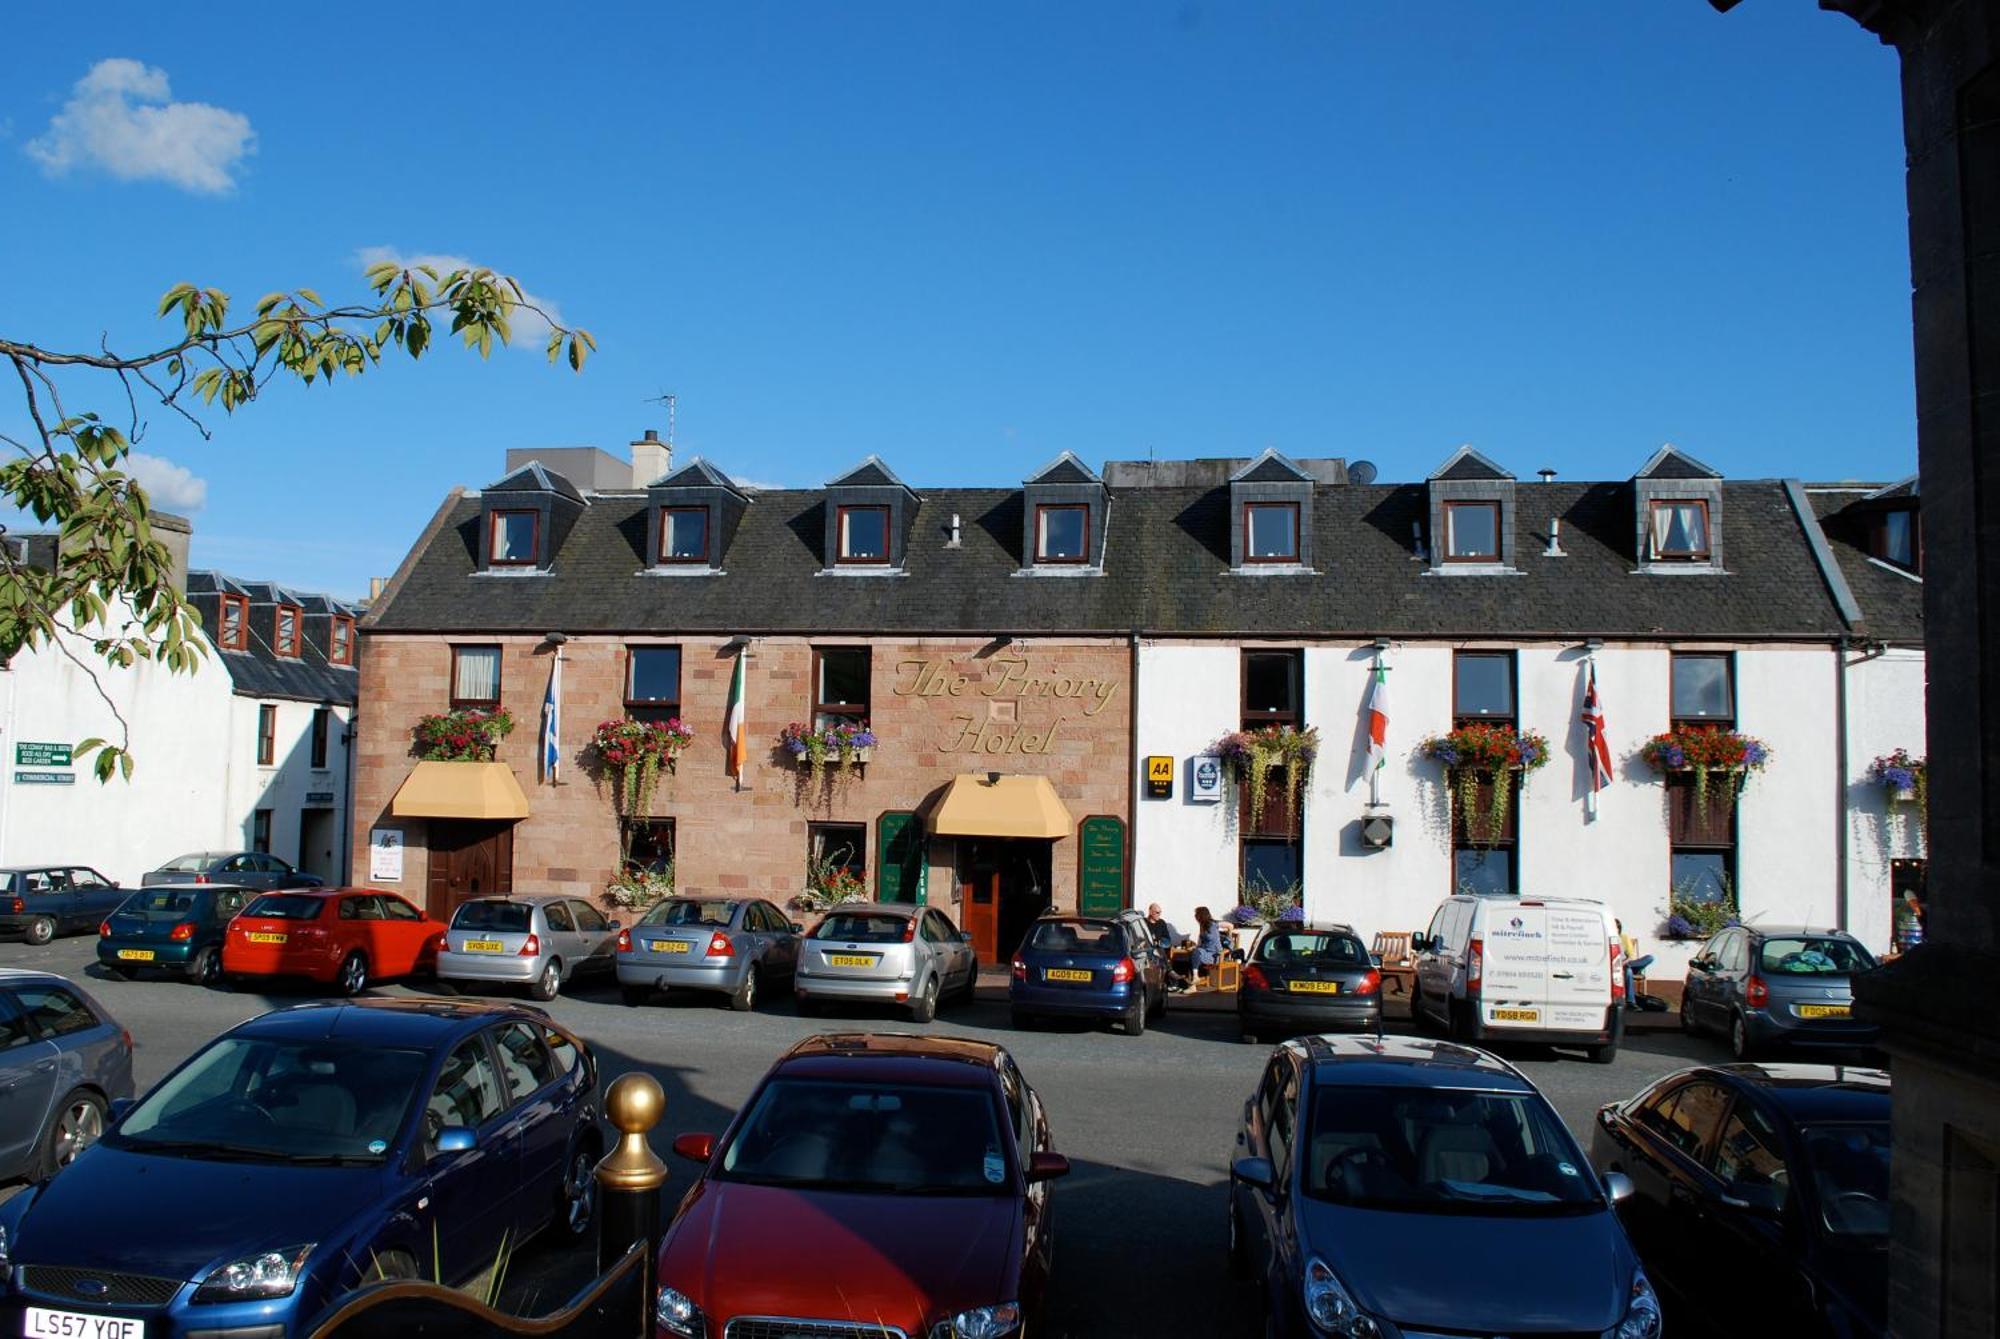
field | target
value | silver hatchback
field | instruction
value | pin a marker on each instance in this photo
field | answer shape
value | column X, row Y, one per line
column 886, row 953
column 729, row 945
column 538, row 941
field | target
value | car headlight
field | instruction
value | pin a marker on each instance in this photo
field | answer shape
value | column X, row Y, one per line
column 256, row 1278
column 6, row 1254
column 677, row 1313
column 1642, row 1313
column 981, row 1322
column 1332, row 1309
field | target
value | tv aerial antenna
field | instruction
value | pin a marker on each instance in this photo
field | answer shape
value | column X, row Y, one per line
column 670, row 400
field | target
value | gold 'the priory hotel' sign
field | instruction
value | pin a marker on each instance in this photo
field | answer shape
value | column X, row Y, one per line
column 1007, row 680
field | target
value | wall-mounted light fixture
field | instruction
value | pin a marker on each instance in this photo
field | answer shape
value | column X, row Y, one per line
column 993, row 778
column 1593, row 644
column 555, row 638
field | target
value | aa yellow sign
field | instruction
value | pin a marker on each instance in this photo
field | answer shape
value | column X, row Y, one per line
column 1159, row 777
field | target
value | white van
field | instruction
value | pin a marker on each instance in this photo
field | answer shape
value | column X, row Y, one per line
column 1541, row 969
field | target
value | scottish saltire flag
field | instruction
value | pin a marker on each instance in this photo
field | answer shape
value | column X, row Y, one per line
column 1593, row 720
column 1378, row 721
column 739, row 738
column 552, row 722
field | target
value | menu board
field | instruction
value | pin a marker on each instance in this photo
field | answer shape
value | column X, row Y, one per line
column 1100, row 866
column 900, row 867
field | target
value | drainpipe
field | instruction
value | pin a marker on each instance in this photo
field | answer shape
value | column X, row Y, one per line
column 352, row 733
column 1840, row 784
column 1131, row 782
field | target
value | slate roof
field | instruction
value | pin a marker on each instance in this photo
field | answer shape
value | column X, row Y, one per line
column 258, row 670
column 1670, row 462
column 1892, row 603
column 1466, row 463
column 1166, row 573
column 870, row 473
column 535, row 477
column 1270, row 468
column 697, row 473
column 1064, row 469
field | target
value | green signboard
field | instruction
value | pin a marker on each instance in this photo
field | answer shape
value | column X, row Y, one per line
column 45, row 778
column 900, row 868
column 1100, row 866
column 41, row 755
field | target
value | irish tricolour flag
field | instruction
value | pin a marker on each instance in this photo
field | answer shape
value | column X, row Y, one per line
column 739, row 737
column 1378, row 721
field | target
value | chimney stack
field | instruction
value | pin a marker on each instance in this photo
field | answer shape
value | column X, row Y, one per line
column 651, row 459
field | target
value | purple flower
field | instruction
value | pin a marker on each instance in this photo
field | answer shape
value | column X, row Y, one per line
column 865, row 739
column 1899, row 778
column 1679, row 927
column 1676, row 756
column 1243, row 915
column 796, row 746
column 1754, row 753
column 1449, row 757
column 1293, row 913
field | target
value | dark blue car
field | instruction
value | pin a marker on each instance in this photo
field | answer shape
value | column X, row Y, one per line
column 176, row 930
column 302, row 1154
column 1103, row 968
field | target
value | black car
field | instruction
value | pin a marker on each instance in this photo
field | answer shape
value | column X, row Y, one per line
column 1308, row 978
column 1761, row 1201
column 39, row 902
column 244, row 869
column 175, row 929
column 1771, row 986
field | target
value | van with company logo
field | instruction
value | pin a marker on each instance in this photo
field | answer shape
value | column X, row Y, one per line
column 1540, row 969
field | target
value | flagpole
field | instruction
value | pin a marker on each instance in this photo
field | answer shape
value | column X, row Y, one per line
column 1374, row 772
column 1590, row 689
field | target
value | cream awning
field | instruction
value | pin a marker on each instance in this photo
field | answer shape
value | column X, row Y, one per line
column 460, row 790
column 1013, row 806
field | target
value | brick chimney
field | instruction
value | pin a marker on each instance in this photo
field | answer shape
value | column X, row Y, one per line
column 651, row 459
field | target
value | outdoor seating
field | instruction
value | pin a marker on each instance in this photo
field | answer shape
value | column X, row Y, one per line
column 1392, row 952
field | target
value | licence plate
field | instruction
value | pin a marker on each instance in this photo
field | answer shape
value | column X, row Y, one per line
column 136, row 954
column 670, row 946
column 850, row 959
column 1064, row 974
column 266, row 938
column 483, row 946
column 1517, row 1015
column 1826, row 1011
column 1316, row 987
column 42, row 1324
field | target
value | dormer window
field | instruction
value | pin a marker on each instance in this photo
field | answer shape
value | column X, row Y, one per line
column 1897, row 539
column 1270, row 532
column 1472, row 532
column 340, row 641
column 285, row 633
column 234, row 634
column 1679, row 530
column 684, row 534
column 1062, row 534
column 513, row 538
column 864, row 535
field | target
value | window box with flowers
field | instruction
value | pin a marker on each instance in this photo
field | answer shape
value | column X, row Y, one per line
column 1907, row 779
column 469, row 734
column 634, row 753
column 843, row 744
column 1706, row 754
column 1481, row 756
column 1250, row 756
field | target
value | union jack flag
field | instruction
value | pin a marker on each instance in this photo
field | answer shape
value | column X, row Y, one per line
column 1593, row 720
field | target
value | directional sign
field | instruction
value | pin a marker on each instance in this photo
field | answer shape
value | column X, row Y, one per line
column 28, row 754
column 45, row 778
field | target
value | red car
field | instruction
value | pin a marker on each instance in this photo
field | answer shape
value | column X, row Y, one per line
column 343, row 937
column 873, row 1184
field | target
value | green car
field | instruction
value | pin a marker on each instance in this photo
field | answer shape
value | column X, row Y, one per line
column 176, row 929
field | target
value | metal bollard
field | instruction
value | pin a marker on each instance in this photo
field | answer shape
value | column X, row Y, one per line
column 630, row 1177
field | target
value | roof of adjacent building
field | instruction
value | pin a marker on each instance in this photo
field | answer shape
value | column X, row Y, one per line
column 1891, row 600
column 258, row 670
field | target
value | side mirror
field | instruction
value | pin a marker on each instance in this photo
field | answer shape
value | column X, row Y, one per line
column 965, row 936
column 694, row 1147
column 615, row 926
column 1418, row 943
column 1046, row 1167
column 1699, row 964
column 798, row 927
column 119, row 1106
column 456, row 1139
column 1617, row 1187
column 1256, row 1172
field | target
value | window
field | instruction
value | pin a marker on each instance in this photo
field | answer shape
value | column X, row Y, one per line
column 1898, row 539
column 54, row 1010
column 588, row 918
column 558, row 917
column 514, row 538
column 467, row 1092
column 1270, row 532
column 267, row 734
column 1679, row 530
column 1062, row 534
column 562, row 1050
column 1271, row 696
column 1906, row 892
column 840, row 685
column 1272, row 864
column 475, row 676
column 396, row 909
column 322, row 727
column 1472, row 532
column 1701, row 875
column 652, row 682
column 14, row 1029
column 684, row 534
column 1702, row 689
column 839, row 848
column 1483, row 871
column 864, row 535
column 340, row 641
column 524, row 1061
column 649, row 845
column 1482, row 853
column 1482, row 686
column 235, row 630
column 260, row 830
column 285, row 632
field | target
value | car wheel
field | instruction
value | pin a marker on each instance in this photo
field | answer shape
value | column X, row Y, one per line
column 744, row 998
column 579, row 1194
column 206, row 969
column 353, row 978
column 1740, row 1044
column 1461, row 1022
column 75, row 1126
column 634, row 996
column 1688, row 1025
column 1135, row 1022
column 40, row 930
column 1419, row 1019
column 392, row 1267
column 1602, row 1055
column 924, row 1008
column 1023, row 1021
column 1239, row 1249
column 549, row 984
column 809, row 1008
column 1251, row 1037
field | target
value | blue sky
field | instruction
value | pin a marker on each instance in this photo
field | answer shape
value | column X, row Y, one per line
column 967, row 237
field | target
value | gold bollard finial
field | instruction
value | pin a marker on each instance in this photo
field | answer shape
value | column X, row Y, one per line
column 634, row 1106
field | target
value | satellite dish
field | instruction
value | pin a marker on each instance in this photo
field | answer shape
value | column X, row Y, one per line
column 1361, row 472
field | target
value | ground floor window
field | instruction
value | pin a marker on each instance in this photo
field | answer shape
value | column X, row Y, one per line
column 1272, row 865
column 1484, row 871
column 260, row 831
column 1701, row 827
column 1484, row 840
column 1906, row 916
column 837, row 858
column 649, row 845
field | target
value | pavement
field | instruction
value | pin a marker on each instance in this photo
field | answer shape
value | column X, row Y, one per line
column 1148, row 1121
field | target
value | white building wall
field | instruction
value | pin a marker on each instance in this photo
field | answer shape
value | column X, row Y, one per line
column 1184, row 855
column 287, row 786
column 1885, row 711
column 1788, row 820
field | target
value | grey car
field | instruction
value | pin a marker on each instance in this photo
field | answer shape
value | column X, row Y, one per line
column 63, row 1061
column 39, row 902
column 245, row 869
column 1771, row 986
column 886, row 953
column 538, row 941
column 733, row 946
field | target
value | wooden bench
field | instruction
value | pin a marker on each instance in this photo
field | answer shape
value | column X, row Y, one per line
column 1392, row 948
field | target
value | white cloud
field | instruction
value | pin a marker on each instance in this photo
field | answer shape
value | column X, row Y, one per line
column 531, row 332
column 121, row 117
column 757, row 485
column 173, row 487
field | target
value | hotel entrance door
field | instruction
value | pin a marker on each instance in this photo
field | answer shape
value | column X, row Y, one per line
column 1003, row 886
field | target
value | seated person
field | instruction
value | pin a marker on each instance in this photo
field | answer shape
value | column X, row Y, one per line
column 1205, row 949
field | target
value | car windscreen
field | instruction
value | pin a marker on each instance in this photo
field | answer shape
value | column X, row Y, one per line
column 863, row 927
column 188, row 864
column 1850, row 1174
column 1431, row 1150
column 285, row 907
column 1311, row 948
column 1077, row 937
column 161, row 900
column 1813, row 955
column 506, row 917
column 279, row 1099
column 822, row 1134
column 686, row 911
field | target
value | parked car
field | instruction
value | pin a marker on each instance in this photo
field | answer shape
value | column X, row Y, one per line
column 303, row 1153
column 538, row 941
column 63, row 1060
column 1103, row 968
column 886, row 953
column 1770, row 986
column 1761, row 1202
column 342, row 937
column 176, row 929
column 729, row 945
column 1539, row 969
column 1388, row 1186
column 911, row 1171
column 39, row 902
column 245, row 869
column 1308, row 978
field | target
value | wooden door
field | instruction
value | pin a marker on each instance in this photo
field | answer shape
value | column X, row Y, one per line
column 980, row 894
column 468, row 859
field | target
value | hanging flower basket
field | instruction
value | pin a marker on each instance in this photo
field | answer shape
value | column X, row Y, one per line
column 1249, row 756
column 1481, row 754
column 635, row 752
column 842, row 744
column 467, row 735
column 1907, row 779
column 1707, row 753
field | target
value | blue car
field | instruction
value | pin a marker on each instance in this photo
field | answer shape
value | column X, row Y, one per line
column 302, row 1154
column 1386, row 1187
column 1103, row 968
column 176, row 930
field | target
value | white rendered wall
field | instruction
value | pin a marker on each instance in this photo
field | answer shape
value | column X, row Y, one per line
column 1885, row 711
column 282, row 787
column 1184, row 855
